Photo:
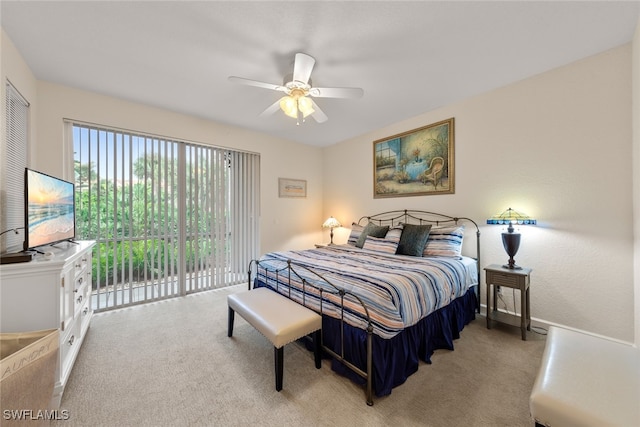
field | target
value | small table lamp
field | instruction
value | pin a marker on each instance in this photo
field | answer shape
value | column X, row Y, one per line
column 511, row 240
column 331, row 223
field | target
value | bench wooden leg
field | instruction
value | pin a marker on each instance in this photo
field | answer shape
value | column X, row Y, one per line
column 279, row 358
column 317, row 348
column 230, row 322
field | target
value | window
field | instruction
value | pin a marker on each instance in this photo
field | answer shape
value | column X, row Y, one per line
column 15, row 161
column 169, row 217
column 385, row 155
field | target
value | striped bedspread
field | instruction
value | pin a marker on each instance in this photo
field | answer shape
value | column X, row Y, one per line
column 397, row 290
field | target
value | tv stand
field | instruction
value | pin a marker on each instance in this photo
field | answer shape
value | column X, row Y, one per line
column 51, row 293
column 55, row 245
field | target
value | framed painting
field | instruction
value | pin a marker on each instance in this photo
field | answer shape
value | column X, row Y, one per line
column 415, row 163
column 292, row 187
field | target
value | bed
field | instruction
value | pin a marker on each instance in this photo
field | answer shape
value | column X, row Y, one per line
column 389, row 297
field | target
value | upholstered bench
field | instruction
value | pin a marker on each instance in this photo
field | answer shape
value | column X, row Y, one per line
column 586, row 381
column 279, row 319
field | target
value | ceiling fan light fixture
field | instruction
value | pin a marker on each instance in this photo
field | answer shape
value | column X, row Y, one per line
column 305, row 106
column 288, row 105
column 297, row 101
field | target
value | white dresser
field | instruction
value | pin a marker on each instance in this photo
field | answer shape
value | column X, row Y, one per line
column 49, row 293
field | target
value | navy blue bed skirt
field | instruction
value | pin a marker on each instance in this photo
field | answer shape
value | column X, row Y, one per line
column 396, row 358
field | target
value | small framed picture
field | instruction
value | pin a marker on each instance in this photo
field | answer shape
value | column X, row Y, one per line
column 292, row 188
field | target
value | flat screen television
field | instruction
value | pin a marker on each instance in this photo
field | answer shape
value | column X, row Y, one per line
column 49, row 209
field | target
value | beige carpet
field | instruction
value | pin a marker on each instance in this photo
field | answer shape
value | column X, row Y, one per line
column 171, row 363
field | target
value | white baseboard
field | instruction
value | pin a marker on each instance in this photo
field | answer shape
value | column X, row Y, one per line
column 545, row 324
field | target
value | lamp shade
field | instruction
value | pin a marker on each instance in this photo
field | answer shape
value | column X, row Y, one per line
column 511, row 216
column 331, row 222
column 305, row 106
column 288, row 104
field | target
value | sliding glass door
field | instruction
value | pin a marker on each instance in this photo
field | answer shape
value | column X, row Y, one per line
column 169, row 217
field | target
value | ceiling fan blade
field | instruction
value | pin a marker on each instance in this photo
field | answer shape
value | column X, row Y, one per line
column 256, row 83
column 336, row 92
column 318, row 114
column 271, row 109
column 302, row 67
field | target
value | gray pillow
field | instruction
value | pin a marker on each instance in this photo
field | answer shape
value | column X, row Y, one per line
column 413, row 239
column 372, row 230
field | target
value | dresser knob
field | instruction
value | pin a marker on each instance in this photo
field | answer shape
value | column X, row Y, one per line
column 71, row 340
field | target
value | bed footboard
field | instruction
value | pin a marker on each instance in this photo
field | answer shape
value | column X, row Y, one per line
column 281, row 283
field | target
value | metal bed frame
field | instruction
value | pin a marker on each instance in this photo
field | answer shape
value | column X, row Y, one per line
column 391, row 218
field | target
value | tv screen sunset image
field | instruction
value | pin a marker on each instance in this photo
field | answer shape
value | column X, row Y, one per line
column 50, row 209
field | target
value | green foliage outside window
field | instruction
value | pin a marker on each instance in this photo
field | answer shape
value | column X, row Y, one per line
column 136, row 224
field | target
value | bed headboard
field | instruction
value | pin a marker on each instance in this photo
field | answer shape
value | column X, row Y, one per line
column 413, row 216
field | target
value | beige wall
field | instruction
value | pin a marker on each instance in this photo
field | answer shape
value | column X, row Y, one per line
column 285, row 223
column 556, row 146
column 636, row 175
column 15, row 70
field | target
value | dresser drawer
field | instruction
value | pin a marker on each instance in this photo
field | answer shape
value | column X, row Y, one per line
column 85, row 316
column 81, row 265
column 80, row 297
column 68, row 344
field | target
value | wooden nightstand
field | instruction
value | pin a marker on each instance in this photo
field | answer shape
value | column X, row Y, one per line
column 497, row 276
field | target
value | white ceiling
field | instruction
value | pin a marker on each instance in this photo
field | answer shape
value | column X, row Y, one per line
column 409, row 57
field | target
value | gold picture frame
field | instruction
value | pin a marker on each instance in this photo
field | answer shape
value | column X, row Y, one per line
column 295, row 188
column 419, row 162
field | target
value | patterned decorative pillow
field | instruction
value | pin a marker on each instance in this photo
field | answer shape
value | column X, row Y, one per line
column 387, row 244
column 394, row 234
column 356, row 230
column 381, row 244
column 445, row 241
column 413, row 239
column 373, row 230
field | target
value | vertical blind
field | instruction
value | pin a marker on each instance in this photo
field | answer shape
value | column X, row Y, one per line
column 169, row 217
column 14, row 164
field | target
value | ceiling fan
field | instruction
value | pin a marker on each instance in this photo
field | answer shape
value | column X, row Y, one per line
column 297, row 102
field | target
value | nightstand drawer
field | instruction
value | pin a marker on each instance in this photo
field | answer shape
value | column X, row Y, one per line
column 500, row 279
